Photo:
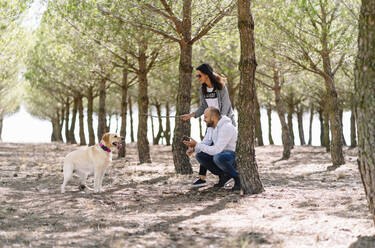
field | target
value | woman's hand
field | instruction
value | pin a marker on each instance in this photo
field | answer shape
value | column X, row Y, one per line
column 186, row 116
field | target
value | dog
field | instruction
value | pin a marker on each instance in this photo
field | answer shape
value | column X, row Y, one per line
column 91, row 160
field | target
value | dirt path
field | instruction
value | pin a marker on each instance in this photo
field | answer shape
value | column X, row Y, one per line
column 150, row 206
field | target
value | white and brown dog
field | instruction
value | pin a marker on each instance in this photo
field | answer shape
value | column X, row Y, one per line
column 91, row 160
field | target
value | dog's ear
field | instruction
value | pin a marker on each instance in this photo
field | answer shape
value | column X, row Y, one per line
column 105, row 138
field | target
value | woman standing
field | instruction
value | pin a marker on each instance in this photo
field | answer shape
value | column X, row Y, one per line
column 213, row 93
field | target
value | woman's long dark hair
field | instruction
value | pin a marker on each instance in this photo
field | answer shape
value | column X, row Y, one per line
column 216, row 80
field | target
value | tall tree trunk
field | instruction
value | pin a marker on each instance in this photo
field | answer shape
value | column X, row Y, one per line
column 61, row 121
column 258, row 124
column 245, row 152
column 326, row 140
column 152, row 126
column 310, row 125
column 365, row 100
column 67, row 112
column 269, row 113
column 181, row 160
column 54, row 130
column 353, row 136
column 73, row 123
column 300, row 126
column 131, row 119
column 321, row 121
column 160, row 131
column 142, row 141
column 290, row 121
column 90, row 111
column 124, row 95
column 167, row 131
column 82, row 138
column 200, row 128
column 285, row 135
column 102, row 115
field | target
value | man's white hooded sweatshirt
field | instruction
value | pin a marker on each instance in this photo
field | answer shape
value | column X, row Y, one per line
column 223, row 137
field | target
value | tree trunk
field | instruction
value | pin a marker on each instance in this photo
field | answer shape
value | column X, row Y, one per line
column 300, row 126
column 142, row 141
column 90, row 111
column 181, row 160
column 200, row 128
column 124, row 95
column 326, row 140
column 365, row 100
column 73, row 123
column 245, row 152
column 152, row 126
column 353, row 136
column 81, row 127
column 258, row 124
column 54, row 130
column 167, row 131
column 131, row 119
column 310, row 125
column 160, row 131
column 67, row 112
column 269, row 113
column 285, row 135
column 290, row 121
column 102, row 115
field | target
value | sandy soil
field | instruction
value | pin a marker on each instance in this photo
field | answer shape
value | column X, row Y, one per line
column 148, row 205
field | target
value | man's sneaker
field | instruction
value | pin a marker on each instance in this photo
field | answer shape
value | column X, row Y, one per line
column 224, row 179
column 198, row 183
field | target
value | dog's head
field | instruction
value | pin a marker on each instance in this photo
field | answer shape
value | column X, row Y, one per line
column 111, row 140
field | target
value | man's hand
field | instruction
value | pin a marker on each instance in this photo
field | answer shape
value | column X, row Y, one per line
column 192, row 143
column 189, row 151
column 186, row 116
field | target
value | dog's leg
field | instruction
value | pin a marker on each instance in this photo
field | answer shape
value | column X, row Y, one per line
column 101, row 179
column 68, row 173
column 83, row 178
column 97, row 174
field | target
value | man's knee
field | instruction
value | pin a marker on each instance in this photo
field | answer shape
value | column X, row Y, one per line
column 201, row 156
column 218, row 158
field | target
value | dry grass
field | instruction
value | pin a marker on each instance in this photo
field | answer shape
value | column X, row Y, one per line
column 148, row 205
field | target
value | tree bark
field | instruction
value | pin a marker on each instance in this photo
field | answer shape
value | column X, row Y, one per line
column 152, row 126
column 90, row 111
column 181, row 160
column 67, row 112
column 285, row 135
column 326, row 140
column 290, row 120
column 82, row 138
column 269, row 112
column 73, row 123
column 142, row 141
column 365, row 100
column 124, row 95
column 353, row 136
column 160, row 131
column 258, row 124
column 245, row 152
column 102, row 115
column 167, row 131
column 200, row 128
column 131, row 119
column 310, row 125
column 300, row 126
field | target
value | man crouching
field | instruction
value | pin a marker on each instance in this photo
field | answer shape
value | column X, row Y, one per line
column 216, row 151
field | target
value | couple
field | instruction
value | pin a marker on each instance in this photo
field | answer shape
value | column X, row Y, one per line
column 216, row 152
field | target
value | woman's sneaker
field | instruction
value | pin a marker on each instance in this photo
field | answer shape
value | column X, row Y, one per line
column 198, row 183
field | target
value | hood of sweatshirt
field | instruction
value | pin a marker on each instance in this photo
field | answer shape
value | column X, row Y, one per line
column 222, row 121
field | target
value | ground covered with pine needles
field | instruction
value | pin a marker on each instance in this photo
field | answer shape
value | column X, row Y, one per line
column 148, row 205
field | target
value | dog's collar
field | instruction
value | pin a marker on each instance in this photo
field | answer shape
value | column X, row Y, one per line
column 104, row 147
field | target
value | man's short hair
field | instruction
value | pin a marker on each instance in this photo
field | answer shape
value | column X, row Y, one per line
column 214, row 111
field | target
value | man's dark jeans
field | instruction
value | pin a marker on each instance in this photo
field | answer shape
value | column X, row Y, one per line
column 218, row 164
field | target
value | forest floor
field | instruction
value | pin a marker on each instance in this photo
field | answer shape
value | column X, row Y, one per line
column 148, row 205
